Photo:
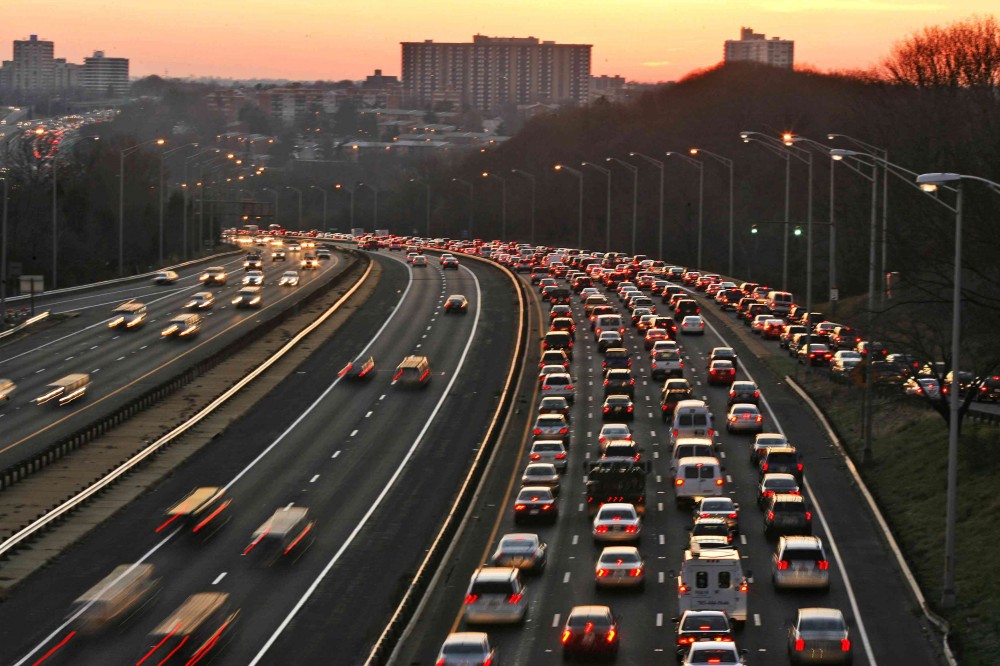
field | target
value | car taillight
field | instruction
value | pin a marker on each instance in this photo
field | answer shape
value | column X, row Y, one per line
column 845, row 645
column 536, row 456
column 606, row 410
column 809, row 515
column 732, row 419
column 800, row 645
column 560, row 456
column 538, row 431
column 563, row 431
column 471, row 598
column 569, row 387
column 629, row 409
column 514, row 599
column 734, row 516
column 744, row 586
column 635, row 573
column 718, row 482
column 799, row 466
column 565, row 635
column 763, row 467
column 612, row 633
column 682, row 589
column 760, row 418
column 678, row 482
column 770, row 515
column 601, row 529
column 823, row 565
column 782, row 565
column 756, row 394
column 631, row 529
column 520, row 507
column 601, row 573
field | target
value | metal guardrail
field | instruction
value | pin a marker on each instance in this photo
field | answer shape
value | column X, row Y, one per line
column 18, row 472
column 413, row 595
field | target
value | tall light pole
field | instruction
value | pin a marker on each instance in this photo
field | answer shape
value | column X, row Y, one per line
column 469, row 185
column 427, row 204
column 375, row 192
column 350, row 191
column 323, row 192
column 749, row 137
column 5, row 175
column 534, row 183
column 607, row 215
column 930, row 182
column 701, row 196
column 160, row 188
column 276, row 196
column 635, row 196
column 121, row 199
column 503, row 202
column 299, row 193
column 659, row 165
column 579, row 232
column 728, row 163
column 65, row 146
column 185, row 188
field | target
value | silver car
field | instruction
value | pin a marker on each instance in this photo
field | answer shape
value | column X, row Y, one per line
column 495, row 595
column 466, row 648
column 819, row 636
column 549, row 451
column 253, row 278
column 800, row 562
column 551, row 426
column 616, row 521
column 522, row 550
column 744, row 417
column 620, row 566
column 763, row 441
column 541, row 474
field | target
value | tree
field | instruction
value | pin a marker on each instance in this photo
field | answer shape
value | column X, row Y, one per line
column 964, row 54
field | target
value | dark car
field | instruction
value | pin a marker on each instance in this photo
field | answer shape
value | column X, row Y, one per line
column 701, row 625
column 558, row 340
column 590, row 630
column 724, row 354
column 753, row 310
column 907, row 364
column 674, row 390
column 788, row 333
column 989, row 389
column 686, row 307
column 743, row 391
column 816, row 354
column 787, row 514
column 616, row 357
column 618, row 408
column 619, row 381
column 564, row 324
column 844, row 337
column 781, row 460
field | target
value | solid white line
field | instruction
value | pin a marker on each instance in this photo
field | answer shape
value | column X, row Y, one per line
column 219, row 578
column 859, row 622
column 388, row 486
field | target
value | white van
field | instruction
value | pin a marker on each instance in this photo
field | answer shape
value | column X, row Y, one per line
column 697, row 477
column 780, row 302
column 689, row 447
column 692, row 418
column 713, row 580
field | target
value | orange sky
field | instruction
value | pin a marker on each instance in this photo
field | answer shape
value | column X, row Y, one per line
column 643, row 40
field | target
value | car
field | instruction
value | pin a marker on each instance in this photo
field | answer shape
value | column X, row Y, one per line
column 666, row 363
column 214, row 276
column 165, row 277
column 744, row 417
column 743, row 391
column 466, row 648
column 535, row 503
column 693, row 325
column 800, row 562
column 558, row 340
column 639, row 313
column 619, row 381
column 613, row 431
column 723, row 508
column 759, row 321
column 413, row 371
column 114, row 599
column 616, row 357
column 716, row 653
column 590, row 631
column 819, row 635
column 63, row 390
column 253, row 278
column 725, row 354
column 690, row 447
column 926, row 387
column 781, row 460
column 673, row 392
column 654, row 335
column 200, row 300
column 645, row 323
column 202, row 511
column 620, row 451
column 184, row 325
column 561, row 310
column 710, row 532
column 289, row 279
column 608, row 340
column 771, row 328
column 278, row 255
column 559, row 384
column 617, row 407
column 551, row 426
column 616, row 521
column 814, row 354
column 129, row 315
column 620, row 566
column 310, row 262
column 456, row 303
column 563, row 324
column 284, row 536
column 764, row 441
column 788, row 332
column 554, row 405
column 294, row 247
column 419, row 261
column 409, row 256
column 496, row 595
column 787, row 514
column 253, row 262
column 554, row 357
column 844, row 361
column 695, row 626
column 541, row 474
column 196, row 630
column 549, row 451
column 7, row 386
column 546, row 370
column 721, row 373
column 447, row 263
column 773, row 483
column 523, row 550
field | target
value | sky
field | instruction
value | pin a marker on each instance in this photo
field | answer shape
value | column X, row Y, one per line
column 642, row 40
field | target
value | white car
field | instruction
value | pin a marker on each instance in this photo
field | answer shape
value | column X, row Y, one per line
column 549, row 451
column 611, row 431
column 201, row 300
column 559, row 384
column 744, row 417
column 289, row 279
column 466, row 647
column 620, row 566
column 253, row 278
column 616, row 521
column 495, row 595
column 703, row 653
column 693, row 325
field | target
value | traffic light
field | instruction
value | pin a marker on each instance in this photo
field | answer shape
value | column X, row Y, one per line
column 798, row 230
column 753, row 228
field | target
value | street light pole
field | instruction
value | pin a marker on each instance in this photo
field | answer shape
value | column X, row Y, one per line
column 531, row 177
column 728, row 163
column 375, row 191
column 775, row 149
column 298, row 192
column 469, row 185
column 3, row 256
column 635, row 197
column 275, row 193
column 503, row 202
column 161, row 187
column 55, row 203
column 579, row 232
column 607, row 219
column 323, row 192
column 121, row 200
column 427, row 204
column 701, row 196
column 659, row 165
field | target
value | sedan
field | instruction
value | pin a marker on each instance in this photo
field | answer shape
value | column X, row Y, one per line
column 926, row 387
column 608, row 340
column 723, row 508
column 654, row 335
column 819, row 636
column 618, row 407
column 774, row 483
column 549, row 370
column 701, row 625
column 522, row 550
column 844, row 361
column 744, row 417
column 253, row 278
column 289, row 279
column 693, row 325
column 620, row 566
column 590, row 630
column 550, row 451
column 616, row 521
column 719, row 653
column 554, row 405
column 815, row 354
column 764, row 441
column 466, row 648
column 201, row 300
column 419, row 261
column 561, row 311
column 610, row 431
column 456, row 303
column 551, row 426
column 743, row 391
column 721, row 373
column 535, row 503
column 541, row 474
column 619, row 381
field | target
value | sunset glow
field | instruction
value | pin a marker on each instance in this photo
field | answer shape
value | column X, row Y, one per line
column 643, row 40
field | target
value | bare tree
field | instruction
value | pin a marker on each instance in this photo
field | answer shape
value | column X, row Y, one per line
column 965, row 54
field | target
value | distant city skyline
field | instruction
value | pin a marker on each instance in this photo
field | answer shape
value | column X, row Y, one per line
column 642, row 40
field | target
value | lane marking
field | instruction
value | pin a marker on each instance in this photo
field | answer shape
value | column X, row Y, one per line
column 353, row 433
column 566, row 577
column 756, row 619
column 335, row 453
column 659, row 619
column 555, row 620
column 368, row 415
column 219, row 578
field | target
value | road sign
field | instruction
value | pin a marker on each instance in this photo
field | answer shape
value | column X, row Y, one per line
column 32, row 284
column 834, row 294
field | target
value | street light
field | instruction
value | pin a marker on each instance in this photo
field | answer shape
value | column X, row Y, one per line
column 349, row 190
column 469, row 185
column 427, row 204
column 298, row 192
column 160, row 188
column 579, row 176
column 607, row 217
column 185, row 187
column 55, row 204
column 635, row 195
column 5, row 175
column 728, row 163
column 121, row 200
column 323, row 192
column 503, row 202
column 747, row 138
column 375, row 191
column 701, row 194
column 534, row 183
column 659, row 165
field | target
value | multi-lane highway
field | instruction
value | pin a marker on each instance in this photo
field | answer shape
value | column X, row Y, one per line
column 866, row 586
column 122, row 363
column 376, row 463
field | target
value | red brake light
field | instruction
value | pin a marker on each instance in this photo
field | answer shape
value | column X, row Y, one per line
column 764, row 467
column 782, row 565
column 800, row 466
column 718, row 482
column 560, row 456
column 800, row 645
column 471, row 598
column 514, row 599
column 770, row 515
column 538, row 431
column 611, row 637
column 601, row 573
column 809, row 515
column 823, row 565
column 565, row 635
column 536, row 456
column 845, row 645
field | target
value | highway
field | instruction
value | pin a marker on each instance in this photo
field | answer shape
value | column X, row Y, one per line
column 375, row 462
column 866, row 585
column 122, row 363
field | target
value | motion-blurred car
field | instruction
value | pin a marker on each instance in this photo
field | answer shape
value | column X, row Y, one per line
column 182, row 326
column 800, row 562
column 202, row 511
column 200, row 300
column 286, row 535
column 214, row 276
column 590, row 631
column 523, row 550
column 165, row 277
column 196, row 631
column 819, row 636
column 289, row 279
column 253, row 278
column 309, row 262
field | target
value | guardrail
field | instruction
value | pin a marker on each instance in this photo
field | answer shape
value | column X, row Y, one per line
column 413, row 596
column 24, row 324
column 18, row 472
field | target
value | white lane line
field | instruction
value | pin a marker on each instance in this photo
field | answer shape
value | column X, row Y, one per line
column 659, row 479
column 95, row 370
column 859, row 621
column 652, row 433
column 660, row 577
column 662, row 540
column 335, row 454
column 659, row 506
column 288, row 506
column 729, row 478
column 580, row 508
column 659, row 619
column 43, row 369
column 722, row 454
column 576, row 539
column 743, row 539
column 119, row 358
column 390, row 484
column 219, row 578
column 756, row 619
column 566, row 577
column 368, row 415
column 143, row 347
column 313, row 480
column 555, row 620
column 69, row 359
column 353, row 433
column 382, row 397
column 94, row 347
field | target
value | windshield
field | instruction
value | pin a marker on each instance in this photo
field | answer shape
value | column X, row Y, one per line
column 705, row 623
column 616, row 514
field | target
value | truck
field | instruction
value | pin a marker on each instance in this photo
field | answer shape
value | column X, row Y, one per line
column 616, row 482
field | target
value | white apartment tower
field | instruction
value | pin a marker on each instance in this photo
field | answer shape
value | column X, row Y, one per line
column 755, row 47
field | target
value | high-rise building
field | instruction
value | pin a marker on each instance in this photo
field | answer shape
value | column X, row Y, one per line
column 32, row 67
column 105, row 77
column 65, row 75
column 494, row 71
column 755, row 47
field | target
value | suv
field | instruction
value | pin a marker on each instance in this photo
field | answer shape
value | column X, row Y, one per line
column 780, row 460
column 616, row 358
column 800, row 561
column 495, row 595
column 666, row 363
column 214, row 275
column 674, row 391
column 415, row 370
column 686, row 307
column 619, row 381
column 787, row 514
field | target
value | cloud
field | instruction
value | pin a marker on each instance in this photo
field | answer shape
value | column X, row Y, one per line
column 657, row 63
column 853, row 6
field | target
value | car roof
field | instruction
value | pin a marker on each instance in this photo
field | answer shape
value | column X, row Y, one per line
column 620, row 550
column 827, row 613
